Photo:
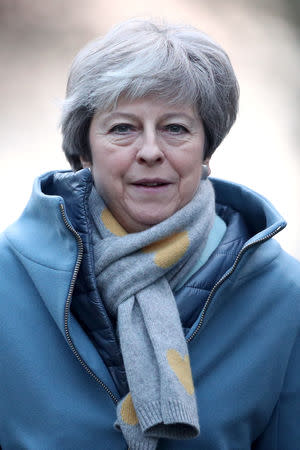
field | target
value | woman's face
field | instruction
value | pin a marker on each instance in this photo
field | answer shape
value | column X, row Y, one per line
column 147, row 159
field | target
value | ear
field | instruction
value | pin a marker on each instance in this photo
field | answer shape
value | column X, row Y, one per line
column 207, row 162
column 85, row 164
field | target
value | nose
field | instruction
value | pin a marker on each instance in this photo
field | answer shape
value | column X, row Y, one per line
column 150, row 152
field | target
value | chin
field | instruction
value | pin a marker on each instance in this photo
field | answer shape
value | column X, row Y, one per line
column 150, row 220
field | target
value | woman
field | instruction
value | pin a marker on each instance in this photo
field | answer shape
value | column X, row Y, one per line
column 142, row 304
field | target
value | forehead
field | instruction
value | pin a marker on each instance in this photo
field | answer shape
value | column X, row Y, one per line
column 150, row 106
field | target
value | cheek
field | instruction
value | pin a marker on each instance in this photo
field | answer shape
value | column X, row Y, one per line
column 188, row 164
column 110, row 163
column 109, row 170
column 189, row 167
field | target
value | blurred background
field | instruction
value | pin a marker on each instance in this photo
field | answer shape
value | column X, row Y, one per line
column 38, row 41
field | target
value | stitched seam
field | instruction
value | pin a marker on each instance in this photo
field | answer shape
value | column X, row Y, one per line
column 220, row 252
column 207, row 289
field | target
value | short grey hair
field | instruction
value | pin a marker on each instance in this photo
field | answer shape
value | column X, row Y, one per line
column 138, row 58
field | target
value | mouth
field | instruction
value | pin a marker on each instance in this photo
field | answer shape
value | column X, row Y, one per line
column 151, row 183
column 151, row 186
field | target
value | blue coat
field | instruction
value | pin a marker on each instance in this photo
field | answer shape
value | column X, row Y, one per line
column 61, row 371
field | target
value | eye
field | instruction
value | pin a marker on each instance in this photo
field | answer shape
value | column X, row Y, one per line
column 122, row 128
column 176, row 128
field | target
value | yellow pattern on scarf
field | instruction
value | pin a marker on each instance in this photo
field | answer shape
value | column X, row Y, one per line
column 182, row 369
column 168, row 251
column 112, row 224
column 128, row 413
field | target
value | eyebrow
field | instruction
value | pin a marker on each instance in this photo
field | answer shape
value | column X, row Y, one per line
column 171, row 115
column 116, row 114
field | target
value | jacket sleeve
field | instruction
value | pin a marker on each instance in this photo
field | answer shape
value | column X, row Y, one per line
column 283, row 431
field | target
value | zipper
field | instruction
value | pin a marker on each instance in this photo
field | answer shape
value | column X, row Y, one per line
column 226, row 276
column 67, row 306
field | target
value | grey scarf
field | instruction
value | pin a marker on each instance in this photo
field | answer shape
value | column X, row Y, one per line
column 135, row 275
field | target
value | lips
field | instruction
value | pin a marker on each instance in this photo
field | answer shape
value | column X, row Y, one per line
column 151, row 182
